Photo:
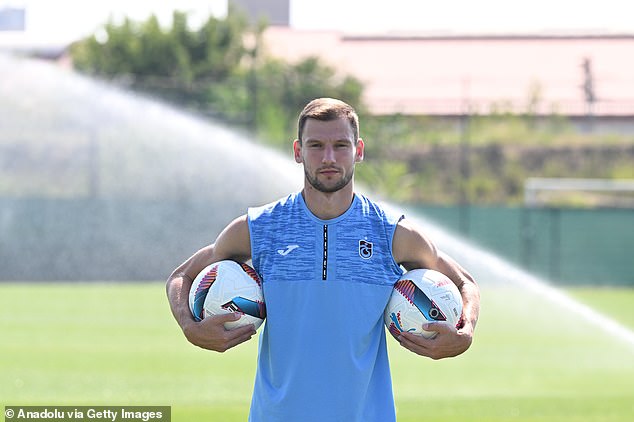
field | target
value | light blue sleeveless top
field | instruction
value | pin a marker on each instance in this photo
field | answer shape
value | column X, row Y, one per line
column 326, row 283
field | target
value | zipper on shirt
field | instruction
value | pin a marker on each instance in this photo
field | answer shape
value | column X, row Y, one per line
column 324, row 267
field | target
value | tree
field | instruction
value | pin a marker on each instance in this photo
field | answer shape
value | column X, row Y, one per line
column 211, row 70
column 288, row 87
column 165, row 61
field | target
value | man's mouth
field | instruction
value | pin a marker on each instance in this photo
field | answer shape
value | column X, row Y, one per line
column 329, row 171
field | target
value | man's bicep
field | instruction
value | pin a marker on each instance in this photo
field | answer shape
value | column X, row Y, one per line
column 412, row 249
column 452, row 269
column 234, row 242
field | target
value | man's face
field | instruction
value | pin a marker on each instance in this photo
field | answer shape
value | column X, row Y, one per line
column 329, row 152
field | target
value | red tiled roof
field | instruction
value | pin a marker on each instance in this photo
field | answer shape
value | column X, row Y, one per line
column 445, row 75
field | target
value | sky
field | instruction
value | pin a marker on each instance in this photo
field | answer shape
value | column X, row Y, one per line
column 62, row 21
column 65, row 20
column 466, row 15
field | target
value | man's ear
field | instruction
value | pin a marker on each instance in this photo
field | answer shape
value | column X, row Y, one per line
column 297, row 151
column 360, row 148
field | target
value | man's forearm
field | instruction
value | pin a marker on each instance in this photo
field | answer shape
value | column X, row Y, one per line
column 470, row 293
column 177, row 288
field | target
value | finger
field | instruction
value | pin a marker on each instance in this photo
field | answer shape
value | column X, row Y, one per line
column 239, row 339
column 429, row 347
column 414, row 343
column 439, row 327
column 240, row 331
column 228, row 317
column 218, row 321
column 213, row 322
column 235, row 336
column 416, row 340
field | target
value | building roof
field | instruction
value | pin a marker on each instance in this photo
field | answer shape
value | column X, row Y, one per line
column 451, row 74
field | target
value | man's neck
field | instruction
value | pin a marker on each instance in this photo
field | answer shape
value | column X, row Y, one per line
column 327, row 206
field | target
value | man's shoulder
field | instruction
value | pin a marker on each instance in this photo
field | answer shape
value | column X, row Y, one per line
column 381, row 209
column 273, row 207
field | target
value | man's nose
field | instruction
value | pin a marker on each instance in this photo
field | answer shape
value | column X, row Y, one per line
column 329, row 154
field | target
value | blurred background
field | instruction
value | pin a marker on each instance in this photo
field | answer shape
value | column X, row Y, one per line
column 132, row 131
column 511, row 125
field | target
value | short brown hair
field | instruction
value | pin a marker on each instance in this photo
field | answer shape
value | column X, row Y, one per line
column 326, row 109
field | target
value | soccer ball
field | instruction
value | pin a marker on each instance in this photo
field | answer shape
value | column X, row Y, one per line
column 225, row 287
column 422, row 296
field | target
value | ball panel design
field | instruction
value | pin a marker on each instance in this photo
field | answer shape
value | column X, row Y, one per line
column 201, row 290
column 422, row 296
column 226, row 287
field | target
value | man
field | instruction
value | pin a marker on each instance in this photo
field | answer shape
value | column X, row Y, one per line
column 328, row 258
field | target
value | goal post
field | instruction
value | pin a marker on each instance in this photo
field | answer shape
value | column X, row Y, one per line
column 540, row 192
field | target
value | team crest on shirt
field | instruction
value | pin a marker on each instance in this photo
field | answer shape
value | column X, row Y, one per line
column 365, row 249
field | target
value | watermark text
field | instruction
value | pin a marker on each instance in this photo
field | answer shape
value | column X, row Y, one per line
column 89, row 413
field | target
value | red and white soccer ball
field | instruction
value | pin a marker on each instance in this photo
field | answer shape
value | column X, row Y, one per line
column 225, row 287
column 422, row 296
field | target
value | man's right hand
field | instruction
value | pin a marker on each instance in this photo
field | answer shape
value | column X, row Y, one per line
column 211, row 334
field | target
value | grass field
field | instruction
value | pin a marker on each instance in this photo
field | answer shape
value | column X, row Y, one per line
column 114, row 344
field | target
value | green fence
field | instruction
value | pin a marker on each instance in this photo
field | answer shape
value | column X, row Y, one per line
column 567, row 246
column 92, row 239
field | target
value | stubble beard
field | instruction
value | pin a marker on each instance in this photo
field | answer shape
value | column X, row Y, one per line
column 321, row 187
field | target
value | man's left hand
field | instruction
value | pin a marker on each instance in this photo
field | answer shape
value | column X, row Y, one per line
column 448, row 342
